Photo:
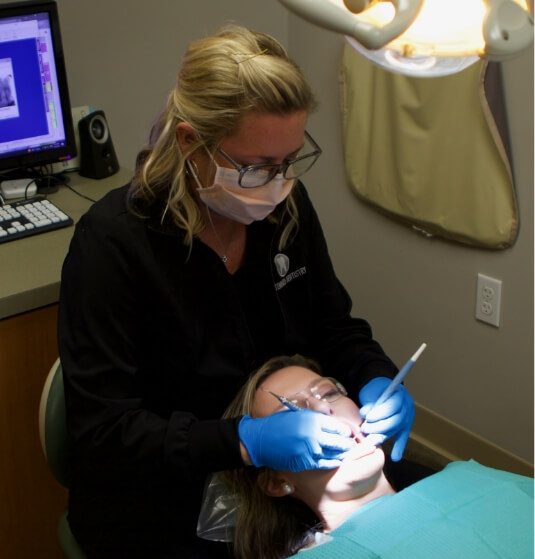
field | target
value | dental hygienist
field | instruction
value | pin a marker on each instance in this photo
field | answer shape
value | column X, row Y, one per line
column 179, row 284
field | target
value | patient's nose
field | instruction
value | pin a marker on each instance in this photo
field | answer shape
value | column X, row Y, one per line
column 320, row 406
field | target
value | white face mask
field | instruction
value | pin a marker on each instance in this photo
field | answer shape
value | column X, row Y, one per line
column 245, row 205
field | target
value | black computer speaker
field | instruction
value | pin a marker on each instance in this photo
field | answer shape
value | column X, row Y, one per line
column 97, row 154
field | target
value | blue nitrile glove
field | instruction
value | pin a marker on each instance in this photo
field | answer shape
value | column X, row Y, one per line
column 393, row 418
column 295, row 440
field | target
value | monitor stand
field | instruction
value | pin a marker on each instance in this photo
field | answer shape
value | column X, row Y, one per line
column 48, row 184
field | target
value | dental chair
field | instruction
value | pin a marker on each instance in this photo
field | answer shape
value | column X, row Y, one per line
column 56, row 446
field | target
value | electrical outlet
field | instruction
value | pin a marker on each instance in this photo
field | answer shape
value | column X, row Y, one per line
column 488, row 299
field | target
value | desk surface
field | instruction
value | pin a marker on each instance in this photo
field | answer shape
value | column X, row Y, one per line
column 30, row 268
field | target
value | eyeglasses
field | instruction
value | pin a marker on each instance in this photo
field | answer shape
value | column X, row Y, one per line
column 327, row 390
column 252, row 176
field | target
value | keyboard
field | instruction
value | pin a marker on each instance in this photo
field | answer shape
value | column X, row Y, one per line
column 30, row 217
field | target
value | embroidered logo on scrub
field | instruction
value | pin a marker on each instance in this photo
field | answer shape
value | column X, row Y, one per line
column 282, row 265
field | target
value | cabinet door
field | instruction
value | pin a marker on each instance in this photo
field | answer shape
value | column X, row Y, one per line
column 31, row 501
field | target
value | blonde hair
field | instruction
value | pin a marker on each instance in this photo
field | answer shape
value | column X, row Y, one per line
column 222, row 78
column 267, row 527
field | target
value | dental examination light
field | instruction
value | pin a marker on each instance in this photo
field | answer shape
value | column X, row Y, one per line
column 425, row 38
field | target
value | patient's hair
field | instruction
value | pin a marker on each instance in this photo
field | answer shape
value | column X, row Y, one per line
column 267, row 527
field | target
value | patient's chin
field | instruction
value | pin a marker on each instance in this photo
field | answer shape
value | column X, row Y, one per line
column 355, row 474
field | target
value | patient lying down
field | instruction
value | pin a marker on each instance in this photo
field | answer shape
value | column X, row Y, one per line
column 467, row 510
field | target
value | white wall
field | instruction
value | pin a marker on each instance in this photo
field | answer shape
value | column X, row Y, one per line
column 414, row 289
column 122, row 56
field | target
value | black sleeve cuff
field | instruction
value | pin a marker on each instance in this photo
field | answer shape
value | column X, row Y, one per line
column 195, row 448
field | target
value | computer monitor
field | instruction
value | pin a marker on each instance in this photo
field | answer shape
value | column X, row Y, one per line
column 36, row 126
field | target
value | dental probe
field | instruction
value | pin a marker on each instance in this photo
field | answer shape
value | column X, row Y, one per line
column 398, row 379
column 285, row 402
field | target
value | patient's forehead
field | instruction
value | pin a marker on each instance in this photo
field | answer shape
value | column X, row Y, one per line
column 284, row 382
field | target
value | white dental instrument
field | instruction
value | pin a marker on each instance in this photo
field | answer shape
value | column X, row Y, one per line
column 398, row 379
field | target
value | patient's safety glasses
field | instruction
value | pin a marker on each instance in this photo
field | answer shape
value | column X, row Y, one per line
column 252, row 176
column 326, row 390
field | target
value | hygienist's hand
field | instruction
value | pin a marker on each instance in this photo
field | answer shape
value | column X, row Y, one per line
column 393, row 418
column 295, row 440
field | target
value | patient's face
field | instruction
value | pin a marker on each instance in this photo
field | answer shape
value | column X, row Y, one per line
column 356, row 473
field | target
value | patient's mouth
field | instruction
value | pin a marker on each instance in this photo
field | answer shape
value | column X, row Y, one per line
column 359, row 437
column 360, row 450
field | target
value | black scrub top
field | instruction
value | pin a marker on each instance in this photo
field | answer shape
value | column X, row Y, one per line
column 156, row 339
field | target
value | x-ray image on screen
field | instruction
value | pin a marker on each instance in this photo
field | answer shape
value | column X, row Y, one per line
column 8, row 95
